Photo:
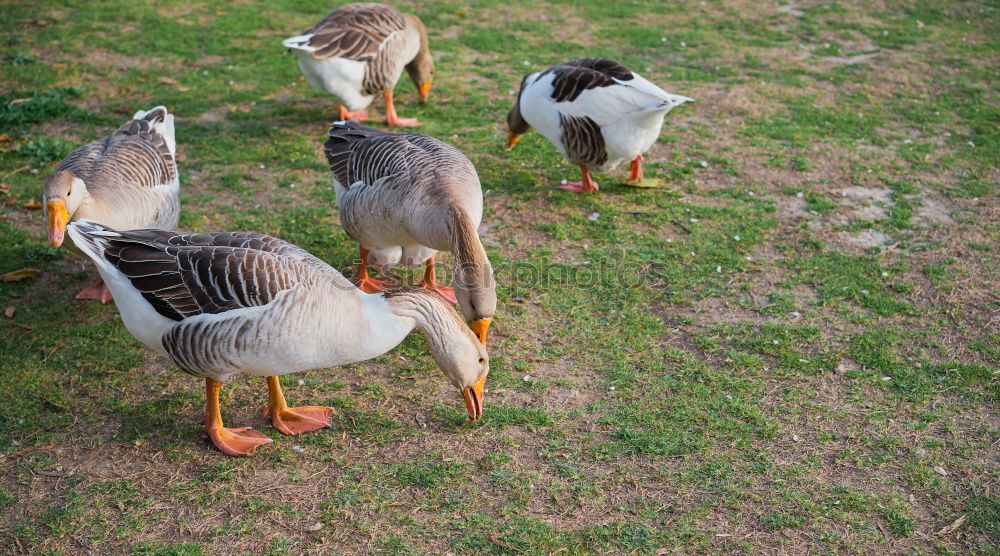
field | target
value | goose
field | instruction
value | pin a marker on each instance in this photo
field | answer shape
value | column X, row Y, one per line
column 218, row 304
column 403, row 197
column 127, row 180
column 360, row 50
column 596, row 111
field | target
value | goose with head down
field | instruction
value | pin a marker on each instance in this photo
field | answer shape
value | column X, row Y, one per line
column 403, row 197
column 125, row 180
column 218, row 304
column 360, row 50
column 596, row 111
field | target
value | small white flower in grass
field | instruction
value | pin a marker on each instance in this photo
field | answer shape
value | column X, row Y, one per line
column 586, row 246
column 612, row 388
column 262, row 166
column 526, row 378
column 795, row 314
column 663, row 39
column 775, row 342
column 800, row 195
column 884, row 274
column 736, row 238
column 297, row 448
column 204, row 72
column 231, row 82
column 525, row 63
column 704, row 163
column 803, row 360
column 683, row 44
column 719, row 269
column 694, row 219
column 748, row 258
column 940, row 471
column 563, row 182
column 594, row 216
column 750, row 193
column 796, row 438
column 886, row 378
column 300, row 382
column 670, row 240
column 864, row 292
column 511, row 92
column 971, row 144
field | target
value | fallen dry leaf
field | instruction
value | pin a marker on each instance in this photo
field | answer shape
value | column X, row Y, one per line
column 9, row 312
column 167, row 81
column 33, row 204
column 18, row 275
column 5, row 187
column 951, row 528
column 17, row 101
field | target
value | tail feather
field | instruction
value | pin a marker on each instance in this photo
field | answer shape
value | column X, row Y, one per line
column 162, row 122
column 299, row 42
column 91, row 238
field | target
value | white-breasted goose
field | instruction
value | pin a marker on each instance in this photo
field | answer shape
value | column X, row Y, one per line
column 360, row 50
column 596, row 111
column 125, row 180
column 403, row 197
column 218, row 304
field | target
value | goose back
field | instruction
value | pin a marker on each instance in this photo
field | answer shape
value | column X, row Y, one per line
column 131, row 175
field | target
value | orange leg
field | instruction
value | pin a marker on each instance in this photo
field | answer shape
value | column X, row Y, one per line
column 293, row 420
column 365, row 282
column 98, row 291
column 636, row 176
column 429, row 282
column 359, row 116
column 235, row 442
column 390, row 114
column 585, row 186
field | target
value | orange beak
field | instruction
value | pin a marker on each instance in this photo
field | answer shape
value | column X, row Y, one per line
column 479, row 327
column 424, row 89
column 512, row 139
column 58, row 218
column 474, row 399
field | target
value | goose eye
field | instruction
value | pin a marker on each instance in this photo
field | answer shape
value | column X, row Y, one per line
column 481, row 360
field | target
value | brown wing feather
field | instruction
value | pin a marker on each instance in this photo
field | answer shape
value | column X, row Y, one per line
column 135, row 153
column 355, row 31
column 184, row 274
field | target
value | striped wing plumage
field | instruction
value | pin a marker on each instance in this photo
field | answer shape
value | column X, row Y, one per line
column 186, row 274
column 355, row 31
column 135, row 154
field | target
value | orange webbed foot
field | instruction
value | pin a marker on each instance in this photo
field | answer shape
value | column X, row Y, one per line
column 578, row 187
column 98, row 292
column 237, row 442
column 297, row 420
column 401, row 122
column 371, row 285
column 447, row 293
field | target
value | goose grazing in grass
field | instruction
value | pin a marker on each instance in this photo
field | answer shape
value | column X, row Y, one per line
column 596, row 112
column 125, row 180
column 360, row 50
column 403, row 197
column 218, row 304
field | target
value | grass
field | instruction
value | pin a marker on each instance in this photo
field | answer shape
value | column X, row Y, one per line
column 791, row 347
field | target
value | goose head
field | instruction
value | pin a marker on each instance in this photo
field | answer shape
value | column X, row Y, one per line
column 516, row 124
column 62, row 196
column 421, row 68
column 476, row 292
column 465, row 363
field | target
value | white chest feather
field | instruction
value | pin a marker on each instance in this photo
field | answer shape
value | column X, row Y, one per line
column 341, row 77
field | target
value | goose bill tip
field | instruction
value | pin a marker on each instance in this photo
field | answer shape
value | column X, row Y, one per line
column 512, row 139
column 480, row 327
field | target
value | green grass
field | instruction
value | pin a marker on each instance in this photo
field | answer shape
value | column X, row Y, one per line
column 725, row 364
